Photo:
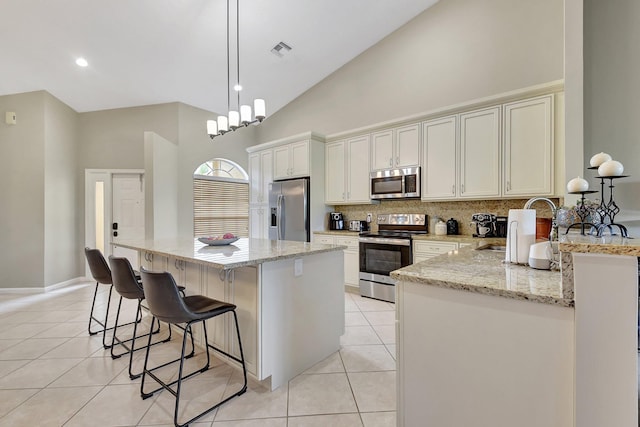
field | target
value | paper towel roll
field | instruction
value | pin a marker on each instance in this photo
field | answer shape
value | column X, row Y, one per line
column 521, row 234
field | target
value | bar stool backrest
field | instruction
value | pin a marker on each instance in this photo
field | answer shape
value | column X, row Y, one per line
column 163, row 297
column 124, row 278
column 98, row 266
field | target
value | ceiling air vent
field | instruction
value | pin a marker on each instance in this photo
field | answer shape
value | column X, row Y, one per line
column 280, row 49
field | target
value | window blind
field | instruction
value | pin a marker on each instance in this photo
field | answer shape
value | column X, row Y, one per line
column 219, row 207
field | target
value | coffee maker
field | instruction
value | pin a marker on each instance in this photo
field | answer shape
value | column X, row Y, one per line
column 485, row 224
column 336, row 221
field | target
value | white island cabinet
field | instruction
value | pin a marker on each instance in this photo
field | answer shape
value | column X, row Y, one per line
column 484, row 343
column 289, row 297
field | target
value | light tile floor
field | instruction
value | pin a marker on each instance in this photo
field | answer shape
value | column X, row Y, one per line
column 52, row 373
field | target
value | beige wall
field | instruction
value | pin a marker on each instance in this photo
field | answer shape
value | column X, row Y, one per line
column 61, row 215
column 39, row 216
column 455, row 51
column 22, row 169
column 611, row 96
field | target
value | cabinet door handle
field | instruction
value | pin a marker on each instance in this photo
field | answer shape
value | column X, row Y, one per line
column 342, row 196
column 462, row 188
column 508, row 185
column 453, row 189
column 397, row 160
column 348, row 195
column 391, row 161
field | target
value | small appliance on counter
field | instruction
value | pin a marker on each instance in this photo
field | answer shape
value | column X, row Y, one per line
column 452, row 227
column 485, row 224
column 358, row 225
column 441, row 228
column 501, row 226
column 336, row 221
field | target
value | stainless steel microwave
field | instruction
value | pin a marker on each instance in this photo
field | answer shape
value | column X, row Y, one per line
column 402, row 183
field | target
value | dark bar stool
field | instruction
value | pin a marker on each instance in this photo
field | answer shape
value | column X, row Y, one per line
column 102, row 275
column 166, row 305
column 128, row 286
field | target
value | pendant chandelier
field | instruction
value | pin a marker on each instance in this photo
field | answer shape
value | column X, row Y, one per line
column 242, row 116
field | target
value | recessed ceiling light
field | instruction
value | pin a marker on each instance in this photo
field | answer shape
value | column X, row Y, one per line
column 82, row 62
column 237, row 87
column 280, row 49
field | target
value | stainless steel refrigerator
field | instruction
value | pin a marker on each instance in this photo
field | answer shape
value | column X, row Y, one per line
column 289, row 210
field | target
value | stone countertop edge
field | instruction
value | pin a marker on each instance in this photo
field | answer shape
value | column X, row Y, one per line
column 240, row 256
column 339, row 233
column 609, row 245
column 484, row 272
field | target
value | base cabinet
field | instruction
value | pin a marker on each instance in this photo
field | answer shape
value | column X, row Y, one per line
column 425, row 249
column 351, row 255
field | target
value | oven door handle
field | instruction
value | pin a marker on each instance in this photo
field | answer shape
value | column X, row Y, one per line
column 386, row 241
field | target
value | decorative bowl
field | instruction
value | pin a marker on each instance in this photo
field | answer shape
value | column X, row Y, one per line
column 217, row 242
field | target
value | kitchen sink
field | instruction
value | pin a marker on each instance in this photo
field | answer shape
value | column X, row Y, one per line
column 492, row 247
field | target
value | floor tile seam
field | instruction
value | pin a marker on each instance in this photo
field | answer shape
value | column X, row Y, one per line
column 85, row 404
column 353, row 395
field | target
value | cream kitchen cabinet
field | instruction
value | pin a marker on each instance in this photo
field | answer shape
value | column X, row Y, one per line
column 259, row 221
column 395, row 148
column 351, row 255
column 529, row 147
column 480, row 165
column 260, row 176
column 347, row 171
column 425, row 249
column 291, row 160
column 439, row 161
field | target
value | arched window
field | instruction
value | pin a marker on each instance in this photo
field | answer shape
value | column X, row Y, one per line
column 220, row 199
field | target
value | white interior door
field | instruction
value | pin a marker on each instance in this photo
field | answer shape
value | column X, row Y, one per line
column 127, row 220
column 113, row 196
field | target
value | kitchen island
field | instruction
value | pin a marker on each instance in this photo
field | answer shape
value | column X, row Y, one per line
column 289, row 297
column 485, row 343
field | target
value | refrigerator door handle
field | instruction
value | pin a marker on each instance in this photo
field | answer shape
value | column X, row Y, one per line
column 279, row 214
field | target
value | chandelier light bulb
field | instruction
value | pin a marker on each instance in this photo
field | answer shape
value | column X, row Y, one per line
column 223, row 125
column 234, row 120
column 237, row 87
column 259, row 109
column 245, row 115
column 212, row 128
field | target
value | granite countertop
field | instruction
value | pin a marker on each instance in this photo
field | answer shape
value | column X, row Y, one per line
column 460, row 238
column 242, row 253
column 612, row 245
column 484, row 272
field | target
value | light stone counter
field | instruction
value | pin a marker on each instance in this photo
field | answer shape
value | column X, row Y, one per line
column 242, row 253
column 611, row 245
column 484, row 272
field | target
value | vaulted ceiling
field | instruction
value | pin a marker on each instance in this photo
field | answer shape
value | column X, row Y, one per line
column 143, row 52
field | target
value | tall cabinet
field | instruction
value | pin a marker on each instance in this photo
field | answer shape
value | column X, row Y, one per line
column 260, row 176
column 297, row 156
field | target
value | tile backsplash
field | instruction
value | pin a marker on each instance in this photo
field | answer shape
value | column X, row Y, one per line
column 461, row 211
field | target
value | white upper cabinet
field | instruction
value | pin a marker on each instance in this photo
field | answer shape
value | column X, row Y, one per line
column 382, row 153
column 358, row 171
column 439, row 162
column 407, row 140
column 480, row 166
column 395, row 148
column 347, row 171
column 260, row 176
column 528, row 147
column 335, row 178
column 291, row 160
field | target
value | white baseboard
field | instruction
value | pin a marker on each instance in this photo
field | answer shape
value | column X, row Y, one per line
column 37, row 290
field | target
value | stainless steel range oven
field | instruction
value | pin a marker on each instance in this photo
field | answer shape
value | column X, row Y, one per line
column 386, row 251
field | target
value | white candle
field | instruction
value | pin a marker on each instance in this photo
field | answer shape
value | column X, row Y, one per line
column 577, row 185
column 611, row 168
column 599, row 159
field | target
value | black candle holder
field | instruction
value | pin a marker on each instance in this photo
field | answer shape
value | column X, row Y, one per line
column 607, row 210
column 583, row 213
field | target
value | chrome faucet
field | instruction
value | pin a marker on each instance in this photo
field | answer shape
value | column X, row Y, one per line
column 553, row 235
